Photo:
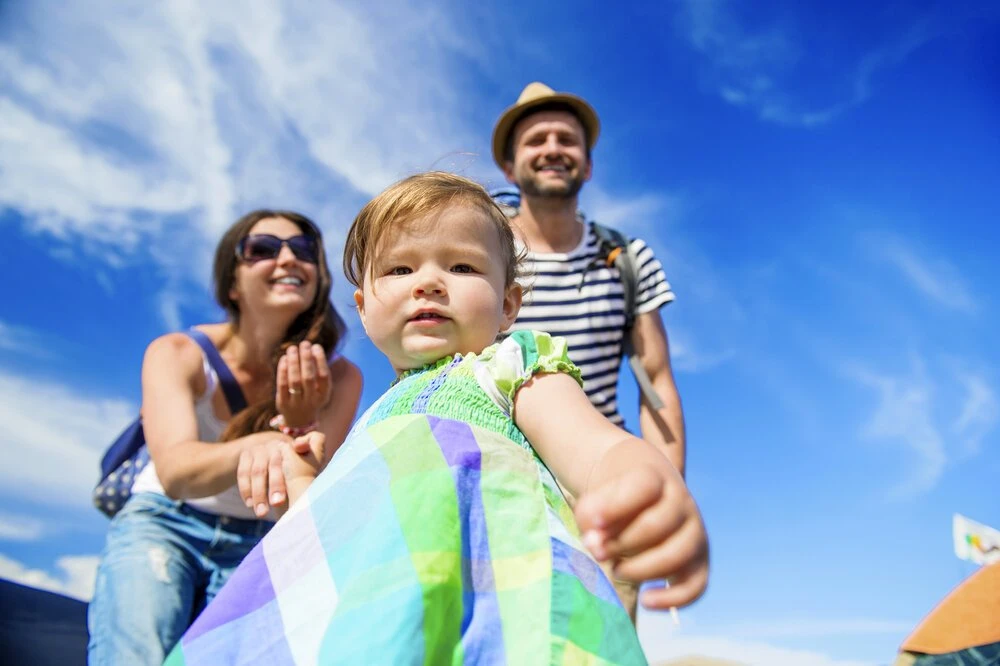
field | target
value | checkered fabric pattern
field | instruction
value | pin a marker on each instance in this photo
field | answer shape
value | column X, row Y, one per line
column 435, row 536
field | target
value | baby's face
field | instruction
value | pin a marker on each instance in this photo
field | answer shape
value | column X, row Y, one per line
column 436, row 288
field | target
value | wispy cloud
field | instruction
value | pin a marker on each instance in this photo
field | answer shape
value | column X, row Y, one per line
column 686, row 356
column 903, row 416
column 643, row 214
column 936, row 278
column 54, row 461
column 936, row 415
column 20, row 340
column 19, row 528
column 980, row 412
column 761, row 67
column 75, row 576
column 122, row 124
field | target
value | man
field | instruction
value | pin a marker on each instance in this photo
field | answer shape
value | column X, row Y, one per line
column 543, row 144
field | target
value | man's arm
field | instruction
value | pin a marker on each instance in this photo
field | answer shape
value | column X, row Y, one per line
column 664, row 428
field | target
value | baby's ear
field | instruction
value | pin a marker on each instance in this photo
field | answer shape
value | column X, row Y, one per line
column 359, row 300
column 511, row 305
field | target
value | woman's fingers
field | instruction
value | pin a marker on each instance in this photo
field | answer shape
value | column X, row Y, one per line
column 307, row 364
column 258, row 481
column 322, row 369
column 276, row 478
column 243, row 478
column 266, row 478
column 294, row 372
column 281, row 381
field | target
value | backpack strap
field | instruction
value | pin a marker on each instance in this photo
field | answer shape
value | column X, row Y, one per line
column 615, row 251
column 618, row 252
column 230, row 387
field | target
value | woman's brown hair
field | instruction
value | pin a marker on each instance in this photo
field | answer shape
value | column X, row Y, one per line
column 319, row 323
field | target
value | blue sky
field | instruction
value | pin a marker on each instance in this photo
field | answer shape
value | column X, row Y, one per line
column 818, row 179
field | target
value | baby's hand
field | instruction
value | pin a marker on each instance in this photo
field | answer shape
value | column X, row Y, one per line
column 649, row 529
column 302, row 461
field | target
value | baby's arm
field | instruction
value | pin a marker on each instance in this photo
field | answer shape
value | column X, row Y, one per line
column 632, row 502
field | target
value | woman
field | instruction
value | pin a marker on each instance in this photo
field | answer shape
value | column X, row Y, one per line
column 185, row 528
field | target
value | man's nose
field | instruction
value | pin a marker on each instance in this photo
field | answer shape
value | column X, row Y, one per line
column 551, row 144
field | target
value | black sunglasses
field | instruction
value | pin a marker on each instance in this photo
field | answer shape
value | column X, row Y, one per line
column 261, row 247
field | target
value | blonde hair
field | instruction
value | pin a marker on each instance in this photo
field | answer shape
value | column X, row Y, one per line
column 417, row 196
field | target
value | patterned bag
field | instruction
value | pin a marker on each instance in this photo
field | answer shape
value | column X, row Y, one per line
column 127, row 455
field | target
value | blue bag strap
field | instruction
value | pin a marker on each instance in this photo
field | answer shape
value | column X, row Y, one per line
column 230, row 387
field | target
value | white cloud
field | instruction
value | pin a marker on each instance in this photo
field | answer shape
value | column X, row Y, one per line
column 54, row 437
column 75, row 578
column 980, row 412
column 662, row 641
column 649, row 213
column 19, row 528
column 938, row 279
column 807, row 628
column 122, row 124
column 748, row 653
column 21, row 340
column 938, row 415
column 903, row 416
column 686, row 356
column 158, row 79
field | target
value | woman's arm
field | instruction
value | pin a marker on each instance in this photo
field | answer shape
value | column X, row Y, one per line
column 172, row 379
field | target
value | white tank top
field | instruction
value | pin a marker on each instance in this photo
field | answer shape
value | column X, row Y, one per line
column 210, row 427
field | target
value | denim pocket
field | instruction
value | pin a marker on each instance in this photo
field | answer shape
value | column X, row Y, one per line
column 146, row 504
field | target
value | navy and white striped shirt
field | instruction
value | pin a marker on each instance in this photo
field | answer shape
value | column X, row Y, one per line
column 590, row 313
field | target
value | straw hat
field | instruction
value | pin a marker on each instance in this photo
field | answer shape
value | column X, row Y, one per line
column 533, row 96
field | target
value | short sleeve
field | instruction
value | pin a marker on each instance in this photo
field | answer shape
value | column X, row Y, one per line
column 652, row 288
column 505, row 367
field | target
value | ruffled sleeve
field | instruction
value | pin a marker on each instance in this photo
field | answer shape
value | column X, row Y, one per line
column 503, row 368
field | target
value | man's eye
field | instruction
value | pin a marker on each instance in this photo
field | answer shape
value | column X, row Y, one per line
column 399, row 270
column 463, row 268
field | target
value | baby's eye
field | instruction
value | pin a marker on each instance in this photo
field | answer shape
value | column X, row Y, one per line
column 399, row 270
column 463, row 268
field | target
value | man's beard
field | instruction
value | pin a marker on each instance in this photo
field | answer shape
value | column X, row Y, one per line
column 530, row 185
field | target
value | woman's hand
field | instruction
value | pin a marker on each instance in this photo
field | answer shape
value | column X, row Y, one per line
column 302, row 384
column 260, row 475
column 276, row 467
column 650, row 530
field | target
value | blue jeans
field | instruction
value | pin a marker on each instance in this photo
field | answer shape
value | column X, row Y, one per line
column 163, row 562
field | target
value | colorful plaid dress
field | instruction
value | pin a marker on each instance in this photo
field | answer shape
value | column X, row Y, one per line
column 436, row 535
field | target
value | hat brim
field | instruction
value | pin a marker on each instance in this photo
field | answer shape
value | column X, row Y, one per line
column 509, row 118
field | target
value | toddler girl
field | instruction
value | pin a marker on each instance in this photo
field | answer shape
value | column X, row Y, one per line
column 438, row 533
